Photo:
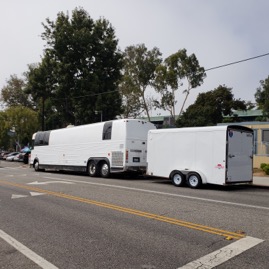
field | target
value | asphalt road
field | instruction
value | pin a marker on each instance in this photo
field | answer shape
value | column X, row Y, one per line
column 63, row 220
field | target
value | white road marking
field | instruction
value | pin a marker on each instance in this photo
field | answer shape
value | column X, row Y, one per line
column 224, row 254
column 49, row 182
column 162, row 193
column 16, row 196
column 27, row 252
column 36, row 193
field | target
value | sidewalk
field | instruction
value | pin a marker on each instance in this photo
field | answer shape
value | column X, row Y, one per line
column 261, row 181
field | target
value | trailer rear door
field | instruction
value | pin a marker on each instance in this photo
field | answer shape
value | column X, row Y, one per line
column 239, row 155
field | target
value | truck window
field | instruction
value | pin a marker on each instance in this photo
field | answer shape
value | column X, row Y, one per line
column 107, row 130
column 42, row 138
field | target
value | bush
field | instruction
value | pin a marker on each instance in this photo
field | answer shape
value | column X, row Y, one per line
column 265, row 168
column 263, row 165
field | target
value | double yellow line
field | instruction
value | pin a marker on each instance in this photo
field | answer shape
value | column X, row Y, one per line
column 227, row 234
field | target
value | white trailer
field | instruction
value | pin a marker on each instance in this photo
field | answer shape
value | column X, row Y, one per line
column 98, row 149
column 219, row 155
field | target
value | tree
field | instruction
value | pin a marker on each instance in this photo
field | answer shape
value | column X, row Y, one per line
column 138, row 74
column 4, row 135
column 13, row 93
column 171, row 75
column 262, row 96
column 80, row 69
column 40, row 84
column 132, row 107
column 22, row 120
column 210, row 107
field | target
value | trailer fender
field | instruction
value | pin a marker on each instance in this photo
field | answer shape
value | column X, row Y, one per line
column 202, row 175
column 194, row 180
column 186, row 172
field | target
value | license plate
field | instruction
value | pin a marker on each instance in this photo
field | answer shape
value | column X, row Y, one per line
column 136, row 159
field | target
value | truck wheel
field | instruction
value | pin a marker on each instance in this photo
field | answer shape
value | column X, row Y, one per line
column 194, row 180
column 178, row 179
column 93, row 169
column 105, row 170
column 36, row 166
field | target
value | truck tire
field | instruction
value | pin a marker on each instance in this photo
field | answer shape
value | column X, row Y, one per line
column 177, row 178
column 105, row 170
column 194, row 180
column 36, row 166
column 93, row 169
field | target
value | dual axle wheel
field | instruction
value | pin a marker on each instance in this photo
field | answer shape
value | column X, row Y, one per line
column 192, row 179
column 96, row 169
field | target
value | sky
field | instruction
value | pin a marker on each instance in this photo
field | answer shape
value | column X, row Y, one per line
column 218, row 32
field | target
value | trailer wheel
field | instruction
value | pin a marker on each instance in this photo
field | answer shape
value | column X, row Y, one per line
column 194, row 180
column 178, row 179
column 93, row 169
column 105, row 170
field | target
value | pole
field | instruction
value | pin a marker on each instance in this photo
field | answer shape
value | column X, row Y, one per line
column 43, row 113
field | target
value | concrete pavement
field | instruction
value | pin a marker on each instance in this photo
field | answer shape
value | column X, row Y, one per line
column 261, row 181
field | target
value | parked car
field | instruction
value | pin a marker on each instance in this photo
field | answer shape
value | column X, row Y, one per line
column 11, row 156
column 22, row 157
column 19, row 157
column 4, row 154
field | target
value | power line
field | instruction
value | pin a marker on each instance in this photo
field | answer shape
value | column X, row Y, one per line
column 209, row 69
column 86, row 95
column 237, row 62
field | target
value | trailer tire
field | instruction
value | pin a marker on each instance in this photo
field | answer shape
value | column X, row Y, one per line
column 194, row 180
column 92, row 168
column 177, row 178
column 105, row 170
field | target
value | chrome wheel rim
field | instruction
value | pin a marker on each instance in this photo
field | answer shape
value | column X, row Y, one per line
column 92, row 168
column 194, row 181
column 104, row 169
column 177, row 179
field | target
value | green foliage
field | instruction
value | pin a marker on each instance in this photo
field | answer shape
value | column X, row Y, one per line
column 138, row 73
column 22, row 120
column 79, row 72
column 132, row 106
column 4, row 137
column 260, row 118
column 171, row 75
column 265, row 168
column 262, row 165
column 262, row 96
column 210, row 107
column 13, row 93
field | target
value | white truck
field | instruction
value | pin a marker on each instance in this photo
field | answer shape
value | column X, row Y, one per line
column 98, row 149
column 219, row 155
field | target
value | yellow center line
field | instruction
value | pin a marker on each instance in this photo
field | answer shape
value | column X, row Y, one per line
column 190, row 225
